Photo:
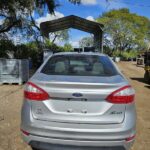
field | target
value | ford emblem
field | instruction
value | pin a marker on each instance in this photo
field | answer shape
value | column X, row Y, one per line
column 77, row 94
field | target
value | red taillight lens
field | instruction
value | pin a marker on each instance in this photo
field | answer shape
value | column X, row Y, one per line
column 123, row 95
column 33, row 92
column 25, row 132
column 130, row 138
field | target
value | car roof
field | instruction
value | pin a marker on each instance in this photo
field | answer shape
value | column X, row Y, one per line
column 80, row 53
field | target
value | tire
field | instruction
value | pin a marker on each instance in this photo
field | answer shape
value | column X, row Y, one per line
column 147, row 77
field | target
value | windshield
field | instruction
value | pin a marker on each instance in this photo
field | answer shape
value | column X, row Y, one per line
column 79, row 65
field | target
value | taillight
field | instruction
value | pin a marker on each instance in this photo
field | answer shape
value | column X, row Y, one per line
column 130, row 138
column 123, row 95
column 25, row 132
column 33, row 92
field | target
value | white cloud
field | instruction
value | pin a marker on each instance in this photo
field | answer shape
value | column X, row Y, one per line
column 89, row 2
column 74, row 44
column 107, row 5
column 49, row 17
column 91, row 18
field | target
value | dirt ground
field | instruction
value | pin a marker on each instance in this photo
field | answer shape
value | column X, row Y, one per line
column 11, row 100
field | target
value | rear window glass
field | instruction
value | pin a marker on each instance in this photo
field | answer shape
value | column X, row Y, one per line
column 79, row 65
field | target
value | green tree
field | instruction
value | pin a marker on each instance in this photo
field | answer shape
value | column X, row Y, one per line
column 52, row 46
column 125, row 30
column 6, row 46
column 55, row 48
column 14, row 12
column 68, row 47
column 86, row 42
column 59, row 35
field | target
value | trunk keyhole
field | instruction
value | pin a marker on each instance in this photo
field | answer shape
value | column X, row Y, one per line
column 84, row 111
column 69, row 110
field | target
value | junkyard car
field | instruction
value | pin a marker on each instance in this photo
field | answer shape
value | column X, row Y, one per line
column 77, row 101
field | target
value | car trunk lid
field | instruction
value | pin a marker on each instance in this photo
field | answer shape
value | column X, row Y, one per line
column 78, row 99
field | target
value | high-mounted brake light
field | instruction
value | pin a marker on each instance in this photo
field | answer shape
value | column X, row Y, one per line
column 123, row 95
column 33, row 92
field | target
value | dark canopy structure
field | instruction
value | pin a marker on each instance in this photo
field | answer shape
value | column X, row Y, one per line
column 77, row 23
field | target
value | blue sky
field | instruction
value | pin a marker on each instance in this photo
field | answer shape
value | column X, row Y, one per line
column 91, row 9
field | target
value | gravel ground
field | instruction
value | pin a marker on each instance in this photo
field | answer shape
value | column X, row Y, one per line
column 11, row 100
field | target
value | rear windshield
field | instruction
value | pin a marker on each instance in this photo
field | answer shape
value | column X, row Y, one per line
column 79, row 65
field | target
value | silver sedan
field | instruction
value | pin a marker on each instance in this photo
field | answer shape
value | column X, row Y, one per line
column 78, row 101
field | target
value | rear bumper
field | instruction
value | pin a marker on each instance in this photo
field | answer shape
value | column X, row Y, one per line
column 42, row 134
column 46, row 142
column 49, row 135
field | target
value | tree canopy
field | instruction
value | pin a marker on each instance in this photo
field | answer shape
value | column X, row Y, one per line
column 86, row 42
column 125, row 30
column 13, row 13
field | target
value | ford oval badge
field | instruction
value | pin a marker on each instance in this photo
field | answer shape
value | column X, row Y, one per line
column 77, row 94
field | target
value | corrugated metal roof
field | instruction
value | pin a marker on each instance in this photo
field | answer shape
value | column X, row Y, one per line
column 76, row 23
column 71, row 22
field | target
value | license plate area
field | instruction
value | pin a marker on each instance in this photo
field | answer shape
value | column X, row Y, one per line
column 77, row 111
column 75, row 106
